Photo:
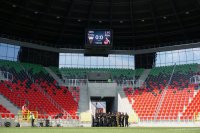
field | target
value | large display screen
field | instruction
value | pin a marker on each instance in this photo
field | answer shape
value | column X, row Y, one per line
column 99, row 38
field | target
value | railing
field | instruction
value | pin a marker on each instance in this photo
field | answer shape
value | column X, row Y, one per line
column 6, row 76
column 45, row 94
column 52, row 100
column 39, row 118
column 130, row 83
column 167, row 119
column 163, row 94
column 75, row 82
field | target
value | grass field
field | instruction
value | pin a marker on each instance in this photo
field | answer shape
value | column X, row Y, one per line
column 99, row 130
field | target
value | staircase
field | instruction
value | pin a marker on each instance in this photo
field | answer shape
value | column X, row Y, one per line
column 8, row 105
column 143, row 77
column 84, row 99
column 126, row 107
column 163, row 94
column 60, row 82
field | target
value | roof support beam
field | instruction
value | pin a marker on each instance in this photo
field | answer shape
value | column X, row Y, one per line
column 198, row 3
column 132, row 23
column 178, row 19
column 125, row 52
column 111, row 12
column 154, row 20
column 48, row 4
column 90, row 13
column 64, row 24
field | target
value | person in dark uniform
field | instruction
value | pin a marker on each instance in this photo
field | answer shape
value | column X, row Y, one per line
column 122, row 120
column 126, row 119
column 120, row 124
column 99, row 120
column 112, row 119
column 109, row 120
column 117, row 119
column 93, row 120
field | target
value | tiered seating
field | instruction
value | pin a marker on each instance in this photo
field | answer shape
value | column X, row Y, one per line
column 16, row 70
column 21, row 90
column 19, row 94
column 5, row 113
column 56, row 71
column 60, row 94
column 38, row 73
column 145, row 103
column 3, row 109
column 174, row 102
column 117, row 74
column 159, row 76
column 176, row 98
column 193, row 108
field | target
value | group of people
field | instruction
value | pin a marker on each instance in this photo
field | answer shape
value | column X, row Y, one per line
column 110, row 120
column 25, row 113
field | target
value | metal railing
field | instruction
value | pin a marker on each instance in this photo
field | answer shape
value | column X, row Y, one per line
column 167, row 119
column 6, row 76
column 75, row 82
column 45, row 94
column 164, row 93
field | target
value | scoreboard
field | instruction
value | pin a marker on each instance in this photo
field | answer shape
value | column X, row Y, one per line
column 98, row 38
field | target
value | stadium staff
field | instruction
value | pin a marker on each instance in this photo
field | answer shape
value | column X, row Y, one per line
column 32, row 117
column 126, row 120
column 24, row 111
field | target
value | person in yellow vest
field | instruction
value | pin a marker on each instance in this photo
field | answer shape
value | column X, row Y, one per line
column 32, row 118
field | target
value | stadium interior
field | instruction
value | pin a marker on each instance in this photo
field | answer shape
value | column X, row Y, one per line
column 71, row 60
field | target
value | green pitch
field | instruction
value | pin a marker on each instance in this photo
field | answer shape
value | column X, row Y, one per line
column 99, row 130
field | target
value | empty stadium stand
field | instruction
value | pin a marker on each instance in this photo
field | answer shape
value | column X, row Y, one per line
column 176, row 99
column 25, row 88
column 193, row 108
column 32, row 84
column 81, row 73
column 5, row 113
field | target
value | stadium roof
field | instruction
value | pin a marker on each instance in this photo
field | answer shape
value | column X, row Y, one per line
column 135, row 23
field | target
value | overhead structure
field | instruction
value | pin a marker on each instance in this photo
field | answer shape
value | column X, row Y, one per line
column 136, row 24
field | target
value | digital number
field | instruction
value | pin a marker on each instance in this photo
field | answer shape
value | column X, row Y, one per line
column 97, row 37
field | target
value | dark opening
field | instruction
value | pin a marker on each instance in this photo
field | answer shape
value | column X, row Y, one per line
column 109, row 102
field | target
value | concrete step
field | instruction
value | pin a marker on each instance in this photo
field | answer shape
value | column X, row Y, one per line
column 7, row 104
column 55, row 76
column 143, row 77
column 84, row 99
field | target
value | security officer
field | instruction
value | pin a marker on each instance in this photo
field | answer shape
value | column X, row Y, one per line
column 126, row 119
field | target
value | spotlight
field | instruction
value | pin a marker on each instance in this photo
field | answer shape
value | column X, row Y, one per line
column 14, row 6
